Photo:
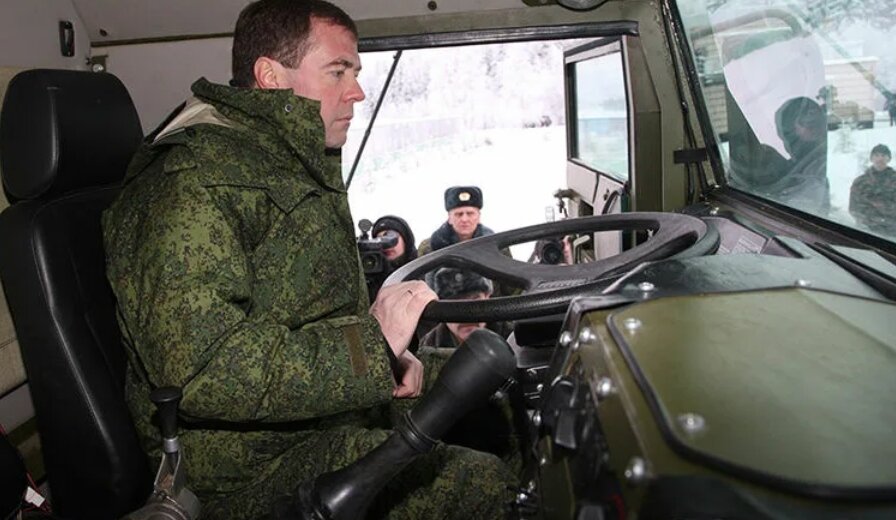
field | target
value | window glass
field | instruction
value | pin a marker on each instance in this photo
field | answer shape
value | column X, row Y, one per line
column 601, row 114
column 800, row 97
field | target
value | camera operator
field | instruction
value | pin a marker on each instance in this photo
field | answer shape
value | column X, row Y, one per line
column 405, row 250
column 391, row 247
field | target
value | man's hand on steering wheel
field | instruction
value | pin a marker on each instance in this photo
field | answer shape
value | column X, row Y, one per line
column 397, row 309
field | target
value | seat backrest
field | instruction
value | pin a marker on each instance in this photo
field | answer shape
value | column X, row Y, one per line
column 66, row 138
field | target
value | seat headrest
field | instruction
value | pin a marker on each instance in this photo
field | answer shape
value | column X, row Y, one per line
column 62, row 130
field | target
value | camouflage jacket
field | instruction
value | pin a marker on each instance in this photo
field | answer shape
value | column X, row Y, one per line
column 872, row 200
column 232, row 256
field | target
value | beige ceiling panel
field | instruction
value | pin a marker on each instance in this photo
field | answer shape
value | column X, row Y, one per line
column 127, row 20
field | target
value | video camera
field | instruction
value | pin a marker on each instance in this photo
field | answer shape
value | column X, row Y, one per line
column 371, row 249
column 549, row 251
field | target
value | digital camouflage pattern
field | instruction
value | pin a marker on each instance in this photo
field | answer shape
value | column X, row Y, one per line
column 232, row 255
column 872, row 200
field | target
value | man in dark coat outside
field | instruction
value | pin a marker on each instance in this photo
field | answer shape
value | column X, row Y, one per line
column 463, row 204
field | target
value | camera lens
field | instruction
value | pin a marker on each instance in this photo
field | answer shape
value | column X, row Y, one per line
column 552, row 253
column 371, row 262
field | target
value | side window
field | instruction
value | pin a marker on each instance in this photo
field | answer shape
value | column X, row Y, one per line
column 599, row 162
column 600, row 123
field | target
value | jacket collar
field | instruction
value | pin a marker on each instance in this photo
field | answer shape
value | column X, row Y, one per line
column 281, row 122
column 445, row 235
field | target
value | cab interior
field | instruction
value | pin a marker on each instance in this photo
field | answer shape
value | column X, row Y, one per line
column 722, row 344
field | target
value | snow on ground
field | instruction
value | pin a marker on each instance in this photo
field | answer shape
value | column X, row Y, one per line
column 518, row 170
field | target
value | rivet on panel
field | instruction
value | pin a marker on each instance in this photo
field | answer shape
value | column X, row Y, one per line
column 604, row 388
column 646, row 287
column 691, row 423
column 636, row 471
column 587, row 335
column 565, row 338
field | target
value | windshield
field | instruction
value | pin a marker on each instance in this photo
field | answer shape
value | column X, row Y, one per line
column 799, row 98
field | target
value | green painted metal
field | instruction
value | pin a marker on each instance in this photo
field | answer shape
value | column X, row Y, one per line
column 793, row 383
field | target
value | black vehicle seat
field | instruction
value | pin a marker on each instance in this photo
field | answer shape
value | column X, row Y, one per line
column 12, row 479
column 66, row 138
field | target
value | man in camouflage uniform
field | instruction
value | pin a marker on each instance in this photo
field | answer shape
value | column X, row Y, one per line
column 232, row 255
column 872, row 197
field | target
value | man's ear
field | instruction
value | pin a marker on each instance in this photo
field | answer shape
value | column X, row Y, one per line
column 268, row 73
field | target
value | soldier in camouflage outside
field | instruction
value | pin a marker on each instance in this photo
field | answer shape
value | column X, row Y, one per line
column 872, row 198
column 232, row 256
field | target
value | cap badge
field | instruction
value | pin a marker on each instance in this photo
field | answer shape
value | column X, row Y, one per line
column 463, row 196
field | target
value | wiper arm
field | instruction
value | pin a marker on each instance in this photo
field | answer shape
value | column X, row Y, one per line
column 376, row 110
column 865, row 265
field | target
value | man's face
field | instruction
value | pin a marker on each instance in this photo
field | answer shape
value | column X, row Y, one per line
column 393, row 252
column 462, row 331
column 329, row 73
column 464, row 221
column 880, row 161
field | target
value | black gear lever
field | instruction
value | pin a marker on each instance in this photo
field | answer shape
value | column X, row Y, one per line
column 167, row 400
column 170, row 499
column 478, row 368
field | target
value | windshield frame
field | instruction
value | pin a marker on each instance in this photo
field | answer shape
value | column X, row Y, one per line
column 508, row 35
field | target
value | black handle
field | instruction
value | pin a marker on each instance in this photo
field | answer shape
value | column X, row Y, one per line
column 478, row 368
column 167, row 400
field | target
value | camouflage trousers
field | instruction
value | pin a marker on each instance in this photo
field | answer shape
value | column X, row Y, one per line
column 451, row 482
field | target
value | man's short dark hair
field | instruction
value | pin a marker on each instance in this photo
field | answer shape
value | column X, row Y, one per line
column 881, row 149
column 279, row 30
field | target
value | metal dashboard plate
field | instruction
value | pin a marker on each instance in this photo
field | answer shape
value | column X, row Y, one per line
column 792, row 388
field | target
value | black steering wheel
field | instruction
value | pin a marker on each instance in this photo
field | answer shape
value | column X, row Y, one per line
column 548, row 289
